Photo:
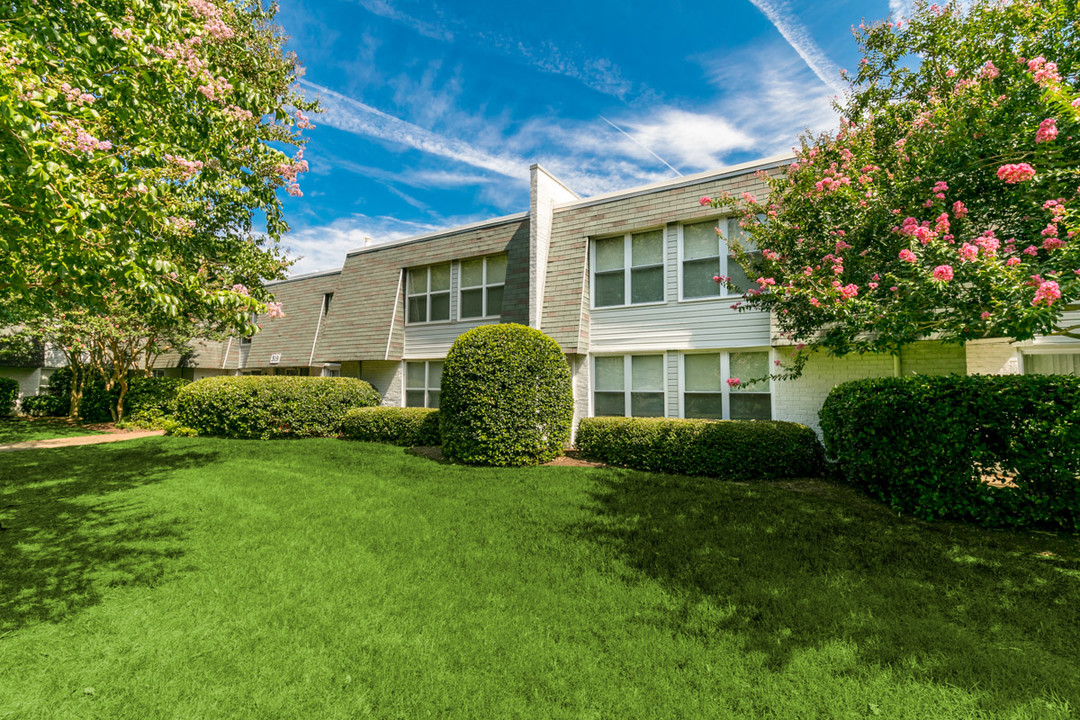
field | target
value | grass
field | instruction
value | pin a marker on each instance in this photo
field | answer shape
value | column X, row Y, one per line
column 16, row 430
column 202, row 578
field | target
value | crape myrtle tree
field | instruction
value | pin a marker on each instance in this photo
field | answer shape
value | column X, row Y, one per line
column 139, row 140
column 945, row 206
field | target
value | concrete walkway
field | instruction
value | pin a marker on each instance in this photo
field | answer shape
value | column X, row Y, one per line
column 80, row 440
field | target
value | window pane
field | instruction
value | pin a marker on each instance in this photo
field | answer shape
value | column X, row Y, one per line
column 414, row 398
column 704, row 405
column 700, row 241
column 751, row 406
column 609, row 254
column 735, row 231
column 647, row 285
column 608, row 403
column 697, row 277
column 610, row 289
column 440, row 306
column 433, row 399
column 417, row 281
column 414, row 375
column 647, row 404
column 472, row 303
column 418, row 309
column 738, row 276
column 496, row 271
column 472, row 272
column 609, row 373
column 647, row 373
column 440, row 277
column 647, row 248
column 494, row 300
column 434, row 380
column 703, row 372
column 747, row 366
column 1054, row 364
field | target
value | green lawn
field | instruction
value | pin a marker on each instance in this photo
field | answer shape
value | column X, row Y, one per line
column 15, row 430
column 201, row 578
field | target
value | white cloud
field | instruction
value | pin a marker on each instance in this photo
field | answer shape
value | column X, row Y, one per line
column 324, row 247
column 382, row 8
column 800, row 40
column 900, row 8
column 688, row 140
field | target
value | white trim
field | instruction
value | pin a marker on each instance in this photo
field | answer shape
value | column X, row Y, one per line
column 428, row 292
column 483, row 287
column 427, row 381
column 504, row 220
column 628, row 268
column 304, row 276
column 628, row 380
column 393, row 316
column 725, row 375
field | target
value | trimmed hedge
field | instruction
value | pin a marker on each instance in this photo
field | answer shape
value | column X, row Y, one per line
column 927, row 445
column 397, row 425
column 271, row 406
column 506, row 397
column 153, row 395
column 9, row 395
column 41, row 406
column 726, row 449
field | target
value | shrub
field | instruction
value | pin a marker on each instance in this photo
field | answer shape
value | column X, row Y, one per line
column 396, row 425
column 728, row 449
column 153, row 395
column 9, row 395
column 506, row 397
column 96, row 400
column 42, row 406
column 271, row 406
column 928, row 445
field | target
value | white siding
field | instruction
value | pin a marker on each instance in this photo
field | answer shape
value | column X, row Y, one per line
column 429, row 342
column 29, row 379
column 800, row 400
column 581, row 369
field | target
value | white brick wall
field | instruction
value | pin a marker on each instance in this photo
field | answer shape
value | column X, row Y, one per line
column 385, row 376
column 800, row 400
column 992, row 357
column 29, row 379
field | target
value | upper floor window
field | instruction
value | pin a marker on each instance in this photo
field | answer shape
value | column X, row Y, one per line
column 482, row 282
column 629, row 269
column 427, row 290
column 630, row 385
column 706, row 255
column 710, row 389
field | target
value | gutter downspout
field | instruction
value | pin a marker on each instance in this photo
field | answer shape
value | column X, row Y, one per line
column 896, row 364
column 393, row 317
column 228, row 348
column 318, row 325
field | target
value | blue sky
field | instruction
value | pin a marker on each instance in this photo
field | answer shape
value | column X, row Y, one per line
column 434, row 112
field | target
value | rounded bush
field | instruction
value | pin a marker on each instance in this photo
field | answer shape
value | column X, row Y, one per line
column 270, row 406
column 728, row 449
column 997, row 450
column 506, row 397
column 397, row 425
column 42, row 406
column 9, row 395
column 153, row 395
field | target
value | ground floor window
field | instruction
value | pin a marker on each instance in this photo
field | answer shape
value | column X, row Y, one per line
column 628, row 385
column 1056, row 363
column 719, row 385
column 423, row 380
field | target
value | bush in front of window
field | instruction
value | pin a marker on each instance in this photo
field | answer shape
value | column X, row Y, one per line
column 996, row 450
column 726, row 449
column 41, row 406
column 271, row 406
column 408, row 426
column 506, row 397
column 9, row 395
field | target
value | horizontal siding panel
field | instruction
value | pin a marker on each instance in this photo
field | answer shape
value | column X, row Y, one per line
column 433, row 341
column 682, row 326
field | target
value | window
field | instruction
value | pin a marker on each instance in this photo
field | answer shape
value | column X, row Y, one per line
column 1052, row 364
column 630, row 385
column 643, row 254
column 251, row 319
column 428, row 294
column 708, row 394
column 482, row 282
column 326, row 298
column 422, row 382
column 705, row 255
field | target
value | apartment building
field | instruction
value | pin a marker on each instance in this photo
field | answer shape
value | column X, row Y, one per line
column 622, row 281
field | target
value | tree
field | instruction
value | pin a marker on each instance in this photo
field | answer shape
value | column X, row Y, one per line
column 945, row 204
column 139, row 142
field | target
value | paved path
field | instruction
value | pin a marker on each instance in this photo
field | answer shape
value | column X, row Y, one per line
column 80, row 440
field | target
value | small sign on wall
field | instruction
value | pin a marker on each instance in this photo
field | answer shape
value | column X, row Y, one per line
column 275, row 358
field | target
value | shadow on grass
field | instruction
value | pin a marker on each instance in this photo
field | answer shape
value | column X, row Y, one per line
column 68, row 533
column 792, row 566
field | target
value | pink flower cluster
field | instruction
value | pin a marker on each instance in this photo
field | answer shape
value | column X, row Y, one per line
column 204, row 9
column 216, row 87
column 922, row 232
column 273, row 310
column 943, row 273
column 848, row 291
column 181, row 225
column 705, row 201
column 188, row 168
column 238, row 114
column 1047, row 131
column 290, row 170
column 303, row 123
column 939, row 189
column 240, row 289
column 76, row 96
column 1048, row 291
column 1046, row 73
column 989, row 71
column 217, row 29
column 959, row 209
column 770, row 254
column 184, row 53
column 907, row 256
column 122, row 33
column 1015, row 173
column 73, row 138
column 734, row 382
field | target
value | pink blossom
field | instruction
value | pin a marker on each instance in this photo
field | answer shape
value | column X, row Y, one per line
column 188, row 168
column 907, row 256
column 240, row 289
column 749, row 198
column 968, row 252
column 1016, row 173
column 238, row 114
column 939, row 187
column 985, row 315
column 951, row 72
column 1046, row 73
column 1012, row 261
column 294, row 190
column 734, row 382
column 872, row 285
column 770, row 255
column 182, row 225
column 849, row 291
column 943, row 273
column 1047, row 131
column 988, row 242
column 1048, row 291
column 989, row 71
column 273, row 310
column 705, row 200
column 204, row 9
column 1031, row 250
column 303, row 123
column 217, row 29
column 122, row 33
column 1052, row 243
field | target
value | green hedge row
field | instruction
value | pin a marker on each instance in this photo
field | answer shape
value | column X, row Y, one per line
column 395, row 425
column 728, row 449
column 928, row 446
column 9, row 395
column 271, row 406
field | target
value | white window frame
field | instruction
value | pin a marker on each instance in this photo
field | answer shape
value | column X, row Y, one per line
column 483, row 288
column 725, row 255
column 628, row 268
column 427, row 295
column 725, row 375
column 427, row 382
column 628, row 375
